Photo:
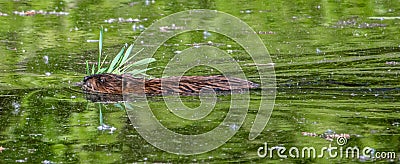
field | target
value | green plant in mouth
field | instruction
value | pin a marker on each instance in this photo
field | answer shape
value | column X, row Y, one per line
column 120, row 64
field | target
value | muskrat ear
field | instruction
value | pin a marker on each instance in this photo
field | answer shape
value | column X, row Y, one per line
column 86, row 78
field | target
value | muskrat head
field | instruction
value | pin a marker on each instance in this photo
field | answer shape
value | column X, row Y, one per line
column 103, row 83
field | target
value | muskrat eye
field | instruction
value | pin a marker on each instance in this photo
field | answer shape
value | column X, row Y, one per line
column 102, row 79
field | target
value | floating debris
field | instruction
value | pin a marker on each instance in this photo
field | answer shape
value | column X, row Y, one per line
column 246, row 11
column 309, row 134
column 3, row 14
column 392, row 63
column 383, row 18
column 147, row 2
column 105, row 127
column 328, row 135
column 177, row 52
column 122, row 20
column 264, row 11
column 92, row 41
column 172, row 27
column 39, row 12
column 47, row 162
column 370, row 25
column 396, row 124
column 266, row 32
column 353, row 22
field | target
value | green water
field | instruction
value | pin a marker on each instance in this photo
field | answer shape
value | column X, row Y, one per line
column 330, row 76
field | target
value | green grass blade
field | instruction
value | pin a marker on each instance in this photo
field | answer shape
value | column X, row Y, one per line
column 93, row 69
column 127, row 105
column 104, row 60
column 144, row 61
column 101, row 71
column 87, row 68
column 138, row 63
column 100, row 47
column 115, row 60
column 100, row 115
column 119, row 105
column 137, row 71
column 130, row 58
column 126, row 55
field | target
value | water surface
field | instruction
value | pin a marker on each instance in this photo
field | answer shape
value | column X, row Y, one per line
column 336, row 70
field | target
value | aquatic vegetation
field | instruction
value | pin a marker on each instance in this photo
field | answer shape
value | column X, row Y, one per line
column 120, row 64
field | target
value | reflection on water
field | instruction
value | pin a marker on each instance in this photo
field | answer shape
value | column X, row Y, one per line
column 336, row 69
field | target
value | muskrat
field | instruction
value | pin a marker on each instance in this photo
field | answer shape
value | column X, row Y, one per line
column 188, row 85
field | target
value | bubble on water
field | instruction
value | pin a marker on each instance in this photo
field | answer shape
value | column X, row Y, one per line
column 234, row 127
column 318, row 51
column 134, row 27
column 16, row 105
column 206, row 34
column 16, row 108
column 46, row 59
column 141, row 27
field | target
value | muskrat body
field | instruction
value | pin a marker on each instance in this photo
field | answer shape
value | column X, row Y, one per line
column 185, row 85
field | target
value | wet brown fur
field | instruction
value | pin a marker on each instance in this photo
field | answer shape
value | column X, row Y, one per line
column 112, row 84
